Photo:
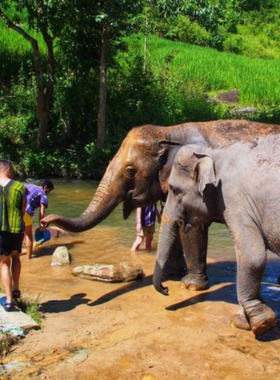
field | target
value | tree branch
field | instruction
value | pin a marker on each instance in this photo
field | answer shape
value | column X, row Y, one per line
column 17, row 28
column 34, row 44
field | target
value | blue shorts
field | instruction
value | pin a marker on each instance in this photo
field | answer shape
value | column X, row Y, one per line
column 10, row 242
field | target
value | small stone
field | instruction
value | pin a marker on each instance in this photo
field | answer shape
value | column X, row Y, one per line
column 231, row 96
column 60, row 256
column 246, row 111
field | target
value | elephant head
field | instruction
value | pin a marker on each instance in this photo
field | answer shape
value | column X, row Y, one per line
column 137, row 176
column 190, row 202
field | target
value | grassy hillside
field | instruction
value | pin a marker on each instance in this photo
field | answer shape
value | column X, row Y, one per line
column 257, row 80
column 171, row 90
column 15, row 52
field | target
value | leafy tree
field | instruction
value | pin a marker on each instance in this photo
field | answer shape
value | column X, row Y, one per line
column 250, row 5
column 115, row 17
column 89, row 41
column 46, row 18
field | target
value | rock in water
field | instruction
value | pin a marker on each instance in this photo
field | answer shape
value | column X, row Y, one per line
column 60, row 256
column 120, row 272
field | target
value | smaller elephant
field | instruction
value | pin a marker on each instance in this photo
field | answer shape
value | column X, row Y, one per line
column 238, row 186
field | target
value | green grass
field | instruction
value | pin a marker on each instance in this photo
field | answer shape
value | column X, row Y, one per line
column 15, row 51
column 257, row 80
column 12, row 41
column 31, row 307
column 6, row 342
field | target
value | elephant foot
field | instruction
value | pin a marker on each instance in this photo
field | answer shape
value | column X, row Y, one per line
column 240, row 321
column 263, row 322
column 192, row 282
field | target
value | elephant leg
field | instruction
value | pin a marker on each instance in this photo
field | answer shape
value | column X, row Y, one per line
column 195, row 251
column 251, row 261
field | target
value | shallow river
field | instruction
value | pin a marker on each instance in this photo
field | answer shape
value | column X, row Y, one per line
column 110, row 241
column 125, row 330
column 71, row 198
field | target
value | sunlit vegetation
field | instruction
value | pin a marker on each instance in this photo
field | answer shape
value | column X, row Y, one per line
column 257, row 80
column 196, row 49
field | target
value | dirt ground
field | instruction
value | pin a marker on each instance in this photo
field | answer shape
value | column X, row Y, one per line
column 92, row 330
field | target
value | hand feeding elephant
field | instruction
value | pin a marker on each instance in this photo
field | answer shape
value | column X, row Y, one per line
column 138, row 176
column 238, row 186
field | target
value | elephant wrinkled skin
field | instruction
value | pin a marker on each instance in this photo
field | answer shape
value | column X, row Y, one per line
column 237, row 186
column 138, row 176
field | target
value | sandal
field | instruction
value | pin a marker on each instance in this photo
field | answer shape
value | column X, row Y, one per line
column 16, row 294
column 8, row 306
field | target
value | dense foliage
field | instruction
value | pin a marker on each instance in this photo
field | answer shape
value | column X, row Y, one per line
column 188, row 60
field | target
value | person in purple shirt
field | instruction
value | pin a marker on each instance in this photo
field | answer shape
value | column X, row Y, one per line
column 36, row 198
column 145, row 226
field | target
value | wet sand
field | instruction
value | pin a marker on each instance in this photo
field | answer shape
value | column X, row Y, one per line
column 94, row 330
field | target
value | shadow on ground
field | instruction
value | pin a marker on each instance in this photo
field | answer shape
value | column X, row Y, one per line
column 218, row 273
column 60, row 306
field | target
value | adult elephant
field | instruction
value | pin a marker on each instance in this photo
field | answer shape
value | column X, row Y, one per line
column 138, row 176
column 237, row 186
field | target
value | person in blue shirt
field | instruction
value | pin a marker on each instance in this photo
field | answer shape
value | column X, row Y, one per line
column 36, row 198
column 145, row 226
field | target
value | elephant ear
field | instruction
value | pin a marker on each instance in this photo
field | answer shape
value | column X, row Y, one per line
column 164, row 146
column 205, row 172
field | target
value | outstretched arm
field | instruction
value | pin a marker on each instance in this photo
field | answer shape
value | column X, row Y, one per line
column 41, row 212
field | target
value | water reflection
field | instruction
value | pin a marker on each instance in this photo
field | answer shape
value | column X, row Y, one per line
column 71, row 198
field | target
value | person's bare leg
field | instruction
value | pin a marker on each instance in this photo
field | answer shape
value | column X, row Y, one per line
column 137, row 243
column 6, row 277
column 149, row 239
column 29, row 241
column 16, row 269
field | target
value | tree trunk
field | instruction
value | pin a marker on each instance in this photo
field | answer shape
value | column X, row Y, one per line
column 44, row 93
column 101, row 127
column 145, row 45
column 43, row 119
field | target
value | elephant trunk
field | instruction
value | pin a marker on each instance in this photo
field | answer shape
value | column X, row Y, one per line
column 102, row 204
column 167, row 236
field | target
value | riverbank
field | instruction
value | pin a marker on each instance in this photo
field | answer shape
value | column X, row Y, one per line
column 94, row 330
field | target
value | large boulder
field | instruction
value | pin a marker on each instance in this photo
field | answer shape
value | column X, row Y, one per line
column 119, row 272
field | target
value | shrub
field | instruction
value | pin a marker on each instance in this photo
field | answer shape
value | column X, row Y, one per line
column 233, row 44
column 189, row 31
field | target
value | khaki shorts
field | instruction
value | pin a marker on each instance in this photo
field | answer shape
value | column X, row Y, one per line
column 28, row 220
column 146, row 231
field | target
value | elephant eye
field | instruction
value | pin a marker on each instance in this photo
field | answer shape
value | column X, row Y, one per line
column 130, row 172
column 175, row 190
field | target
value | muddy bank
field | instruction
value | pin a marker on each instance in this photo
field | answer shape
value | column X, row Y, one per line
column 94, row 330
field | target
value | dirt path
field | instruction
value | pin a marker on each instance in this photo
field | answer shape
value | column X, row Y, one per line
column 100, row 331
